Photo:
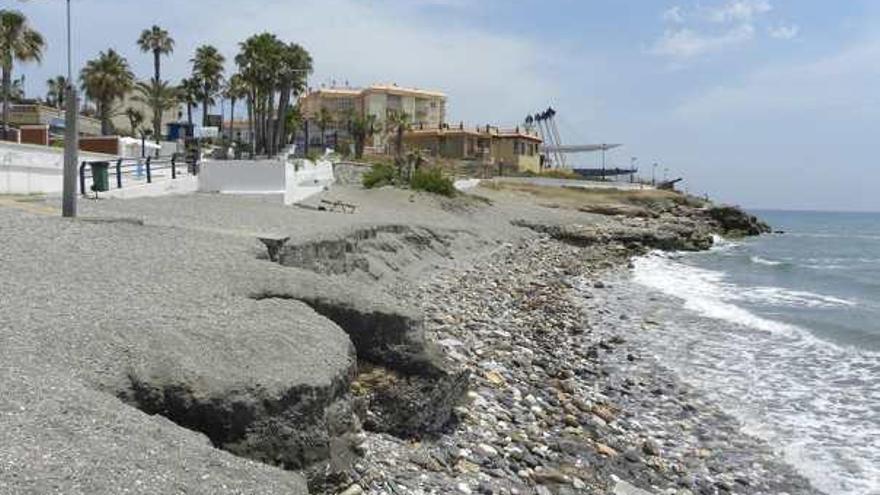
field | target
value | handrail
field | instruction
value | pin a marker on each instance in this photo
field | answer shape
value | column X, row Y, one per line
column 130, row 166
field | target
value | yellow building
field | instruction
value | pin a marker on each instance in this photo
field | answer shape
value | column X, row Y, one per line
column 515, row 149
column 425, row 108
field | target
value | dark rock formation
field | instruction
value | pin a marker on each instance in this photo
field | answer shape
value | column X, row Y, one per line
column 733, row 221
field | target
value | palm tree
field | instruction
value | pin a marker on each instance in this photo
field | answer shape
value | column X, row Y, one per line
column 188, row 93
column 18, row 43
column 158, row 41
column 16, row 90
column 160, row 97
column 258, row 60
column 361, row 128
column 135, row 119
column 295, row 66
column 236, row 90
column 324, row 120
column 208, row 71
column 57, row 86
column 105, row 80
column 398, row 123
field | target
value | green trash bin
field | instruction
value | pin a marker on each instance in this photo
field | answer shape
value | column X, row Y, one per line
column 100, row 176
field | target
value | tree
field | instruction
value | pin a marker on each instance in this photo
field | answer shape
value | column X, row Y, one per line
column 258, row 61
column 362, row 128
column 158, row 41
column 293, row 122
column 56, row 89
column 296, row 64
column 160, row 97
column 104, row 80
column 18, row 43
column 208, row 71
column 188, row 93
column 398, row 123
column 16, row 90
column 236, row 90
column 324, row 120
column 135, row 119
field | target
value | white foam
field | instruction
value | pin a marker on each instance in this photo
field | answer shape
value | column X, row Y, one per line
column 707, row 292
column 819, row 403
column 761, row 261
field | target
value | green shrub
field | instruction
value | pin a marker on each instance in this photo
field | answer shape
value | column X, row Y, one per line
column 432, row 180
column 380, row 174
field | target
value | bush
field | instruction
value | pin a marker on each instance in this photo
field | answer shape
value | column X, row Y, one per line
column 432, row 180
column 380, row 174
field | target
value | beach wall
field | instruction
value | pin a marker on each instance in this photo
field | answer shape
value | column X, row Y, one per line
column 33, row 169
column 296, row 180
column 243, row 177
column 304, row 178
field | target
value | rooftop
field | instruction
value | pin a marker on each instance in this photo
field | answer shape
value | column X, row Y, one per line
column 378, row 88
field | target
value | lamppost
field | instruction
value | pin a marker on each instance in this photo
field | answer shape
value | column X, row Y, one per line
column 632, row 169
column 71, row 137
column 654, row 174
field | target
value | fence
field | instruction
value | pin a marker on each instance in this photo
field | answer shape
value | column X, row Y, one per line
column 136, row 171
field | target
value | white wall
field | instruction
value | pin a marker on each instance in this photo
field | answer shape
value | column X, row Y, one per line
column 305, row 178
column 31, row 169
column 243, row 176
column 296, row 180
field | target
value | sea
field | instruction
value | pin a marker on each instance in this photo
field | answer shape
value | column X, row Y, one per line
column 783, row 331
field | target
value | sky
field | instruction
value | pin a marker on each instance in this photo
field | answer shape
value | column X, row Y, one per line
column 761, row 103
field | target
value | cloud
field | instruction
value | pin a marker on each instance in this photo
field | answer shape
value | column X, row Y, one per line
column 685, row 43
column 673, row 15
column 705, row 29
column 840, row 84
column 784, row 32
column 738, row 11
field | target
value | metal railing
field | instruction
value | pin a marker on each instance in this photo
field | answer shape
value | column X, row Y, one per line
column 133, row 169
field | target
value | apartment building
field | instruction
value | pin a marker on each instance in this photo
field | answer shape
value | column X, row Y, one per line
column 425, row 108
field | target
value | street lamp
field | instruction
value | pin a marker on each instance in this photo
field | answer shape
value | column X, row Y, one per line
column 71, row 144
column 654, row 174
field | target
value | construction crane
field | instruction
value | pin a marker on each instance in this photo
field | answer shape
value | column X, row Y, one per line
column 554, row 151
column 549, row 132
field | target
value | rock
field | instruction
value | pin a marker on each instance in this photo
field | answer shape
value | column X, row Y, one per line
column 605, row 412
column 734, row 221
column 651, row 447
column 495, row 378
column 632, row 455
column 487, row 450
column 547, row 475
column 624, row 488
column 352, row 490
column 605, row 450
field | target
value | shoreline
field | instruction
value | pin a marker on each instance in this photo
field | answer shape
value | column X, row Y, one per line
column 639, row 426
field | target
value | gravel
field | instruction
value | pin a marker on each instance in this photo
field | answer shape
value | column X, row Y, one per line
column 170, row 307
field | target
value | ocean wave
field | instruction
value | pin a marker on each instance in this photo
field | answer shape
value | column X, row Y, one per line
column 762, row 261
column 708, row 292
column 720, row 244
column 816, row 400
